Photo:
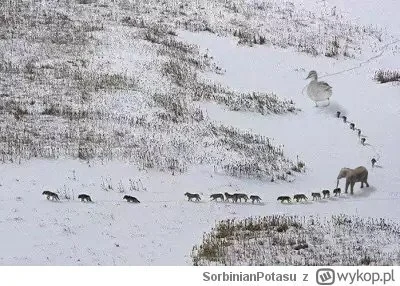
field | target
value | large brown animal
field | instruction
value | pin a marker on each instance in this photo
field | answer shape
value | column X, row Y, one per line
column 359, row 174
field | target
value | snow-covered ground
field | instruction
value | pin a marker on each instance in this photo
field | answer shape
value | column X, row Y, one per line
column 163, row 228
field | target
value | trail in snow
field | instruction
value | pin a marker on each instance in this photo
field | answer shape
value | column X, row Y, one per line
column 383, row 49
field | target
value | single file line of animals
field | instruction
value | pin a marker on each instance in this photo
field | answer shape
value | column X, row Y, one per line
column 362, row 138
column 226, row 197
column 315, row 196
column 86, row 198
column 359, row 174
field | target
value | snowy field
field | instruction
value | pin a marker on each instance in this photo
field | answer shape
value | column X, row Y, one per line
column 164, row 227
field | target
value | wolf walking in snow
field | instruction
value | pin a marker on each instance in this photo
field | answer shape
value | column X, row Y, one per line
column 284, row 198
column 254, row 198
column 84, row 197
column 337, row 191
column 326, row 193
column 192, row 196
column 131, row 199
column 299, row 197
column 215, row 197
column 239, row 196
column 51, row 195
column 316, row 196
column 229, row 196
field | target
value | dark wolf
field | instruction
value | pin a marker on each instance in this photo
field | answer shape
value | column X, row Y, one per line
column 254, row 198
column 215, row 197
column 84, row 197
column 326, row 193
column 193, row 196
column 284, row 198
column 51, row 195
column 229, row 197
column 299, row 197
column 131, row 199
column 337, row 191
column 238, row 196
column 316, row 196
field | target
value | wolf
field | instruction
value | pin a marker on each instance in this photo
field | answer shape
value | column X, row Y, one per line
column 238, row 196
column 84, row 197
column 131, row 199
column 326, row 193
column 284, row 198
column 299, row 197
column 216, row 197
column 316, row 196
column 229, row 196
column 192, row 196
column 254, row 198
column 337, row 191
column 51, row 195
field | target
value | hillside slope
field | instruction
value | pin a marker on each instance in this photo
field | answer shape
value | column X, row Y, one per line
column 131, row 107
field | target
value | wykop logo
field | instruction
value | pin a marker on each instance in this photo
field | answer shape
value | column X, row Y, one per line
column 325, row 276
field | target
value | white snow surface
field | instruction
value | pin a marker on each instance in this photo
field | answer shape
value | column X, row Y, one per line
column 162, row 229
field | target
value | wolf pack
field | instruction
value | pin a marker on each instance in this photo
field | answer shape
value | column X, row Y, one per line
column 362, row 137
column 85, row 198
column 315, row 196
column 226, row 197
column 236, row 197
column 222, row 197
column 240, row 197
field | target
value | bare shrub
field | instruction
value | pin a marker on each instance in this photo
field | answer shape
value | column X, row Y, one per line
column 384, row 76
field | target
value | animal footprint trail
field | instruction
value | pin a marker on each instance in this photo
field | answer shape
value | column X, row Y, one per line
column 362, row 137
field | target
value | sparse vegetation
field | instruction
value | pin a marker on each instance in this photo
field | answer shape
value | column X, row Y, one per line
column 291, row 240
column 384, row 76
column 65, row 99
